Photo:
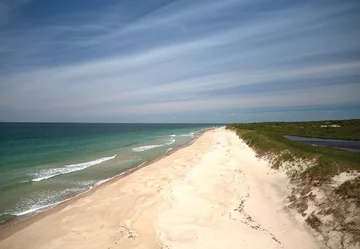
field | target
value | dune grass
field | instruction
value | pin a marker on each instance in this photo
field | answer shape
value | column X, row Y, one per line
column 323, row 163
column 269, row 137
column 336, row 129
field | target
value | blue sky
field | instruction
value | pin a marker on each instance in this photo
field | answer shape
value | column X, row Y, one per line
column 179, row 61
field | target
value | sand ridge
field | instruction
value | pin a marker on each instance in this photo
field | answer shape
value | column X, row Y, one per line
column 230, row 199
column 214, row 193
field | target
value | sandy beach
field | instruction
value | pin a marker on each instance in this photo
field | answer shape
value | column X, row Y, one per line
column 214, row 193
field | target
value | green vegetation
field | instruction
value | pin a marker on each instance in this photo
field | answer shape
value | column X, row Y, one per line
column 336, row 129
column 268, row 138
column 312, row 167
column 350, row 189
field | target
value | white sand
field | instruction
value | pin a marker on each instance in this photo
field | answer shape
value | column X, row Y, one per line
column 339, row 179
column 212, row 194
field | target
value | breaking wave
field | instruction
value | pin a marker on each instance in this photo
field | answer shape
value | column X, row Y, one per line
column 49, row 173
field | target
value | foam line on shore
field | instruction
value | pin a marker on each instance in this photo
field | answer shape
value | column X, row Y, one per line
column 49, row 173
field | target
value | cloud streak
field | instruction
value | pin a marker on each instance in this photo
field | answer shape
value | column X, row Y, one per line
column 184, row 57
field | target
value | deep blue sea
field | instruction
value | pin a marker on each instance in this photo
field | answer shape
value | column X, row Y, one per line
column 43, row 164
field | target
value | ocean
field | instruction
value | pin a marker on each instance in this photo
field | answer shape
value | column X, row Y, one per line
column 43, row 164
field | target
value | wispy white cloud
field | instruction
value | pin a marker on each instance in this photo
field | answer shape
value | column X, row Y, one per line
column 8, row 6
column 170, row 61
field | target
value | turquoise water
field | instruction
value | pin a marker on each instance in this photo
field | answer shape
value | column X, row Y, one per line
column 43, row 164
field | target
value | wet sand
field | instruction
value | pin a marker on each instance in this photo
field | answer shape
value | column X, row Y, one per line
column 214, row 193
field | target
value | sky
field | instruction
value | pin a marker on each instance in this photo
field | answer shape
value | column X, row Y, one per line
column 181, row 61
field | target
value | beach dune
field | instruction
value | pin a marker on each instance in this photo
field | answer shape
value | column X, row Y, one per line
column 214, row 193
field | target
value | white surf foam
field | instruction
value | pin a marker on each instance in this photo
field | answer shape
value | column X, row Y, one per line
column 171, row 142
column 147, row 147
column 192, row 134
column 152, row 146
column 47, row 201
column 168, row 150
column 108, row 179
column 36, row 208
column 39, row 206
column 49, row 173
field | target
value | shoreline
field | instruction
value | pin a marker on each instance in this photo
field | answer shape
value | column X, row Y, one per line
column 236, row 199
column 20, row 222
column 324, row 180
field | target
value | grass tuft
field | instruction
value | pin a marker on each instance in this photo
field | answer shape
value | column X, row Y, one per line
column 350, row 189
column 268, row 138
column 313, row 221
